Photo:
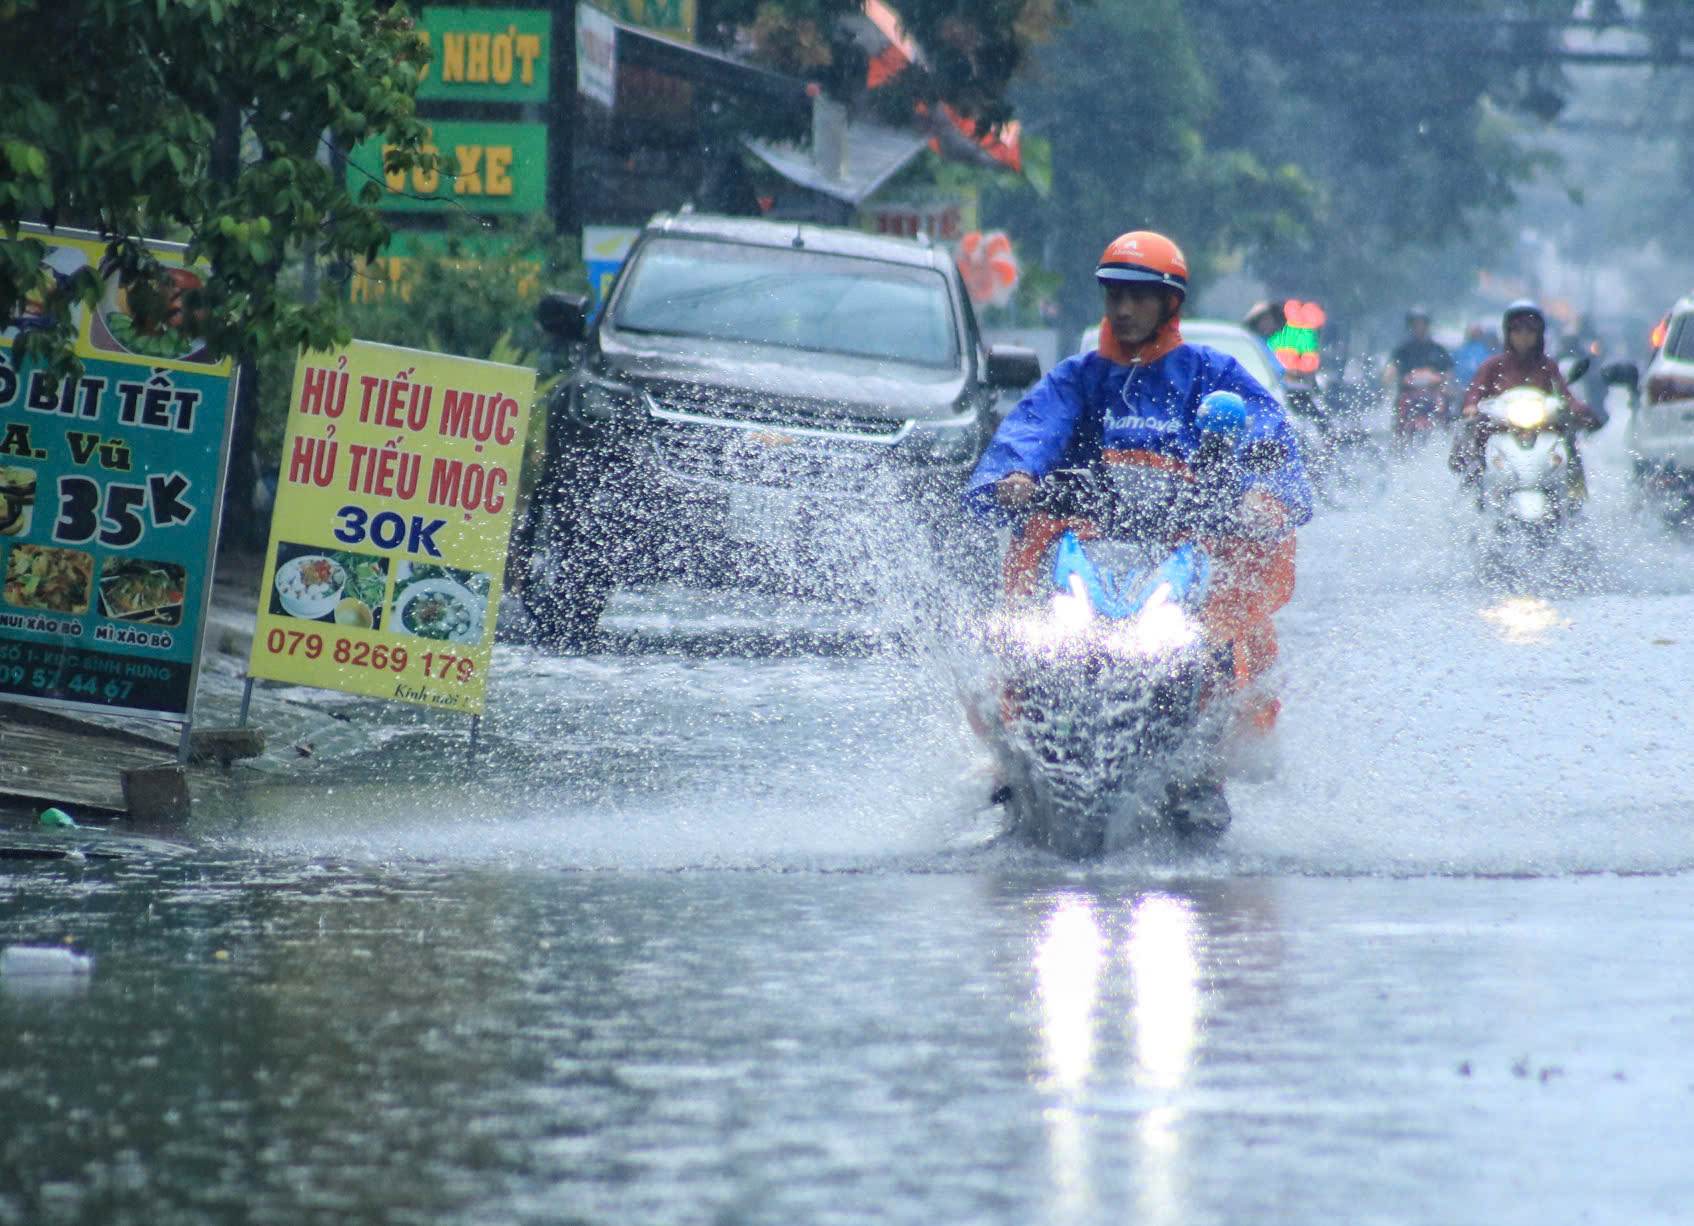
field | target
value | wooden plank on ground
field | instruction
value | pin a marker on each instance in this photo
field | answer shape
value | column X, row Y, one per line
column 57, row 760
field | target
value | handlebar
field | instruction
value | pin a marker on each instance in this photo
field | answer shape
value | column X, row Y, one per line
column 1155, row 503
column 1184, row 511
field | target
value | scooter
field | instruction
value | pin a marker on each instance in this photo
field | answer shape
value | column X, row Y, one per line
column 1422, row 405
column 1532, row 485
column 1110, row 704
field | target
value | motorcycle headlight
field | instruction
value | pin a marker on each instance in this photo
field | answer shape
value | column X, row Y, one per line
column 1527, row 412
column 1066, row 620
column 1072, row 610
column 1160, row 627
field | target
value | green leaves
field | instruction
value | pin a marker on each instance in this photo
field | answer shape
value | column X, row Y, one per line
column 145, row 143
column 25, row 159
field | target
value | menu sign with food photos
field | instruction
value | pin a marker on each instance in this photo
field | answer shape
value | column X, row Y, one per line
column 110, row 490
column 393, row 513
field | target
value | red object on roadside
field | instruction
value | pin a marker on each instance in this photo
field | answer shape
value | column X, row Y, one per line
column 989, row 267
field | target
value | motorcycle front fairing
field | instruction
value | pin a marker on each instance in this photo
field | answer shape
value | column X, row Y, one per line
column 1106, row 669
column 1527, row 457
column 1523, row 474
column 1111, row 599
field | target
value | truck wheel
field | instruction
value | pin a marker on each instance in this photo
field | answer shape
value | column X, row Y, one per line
column 565, row 592
column 569, row 555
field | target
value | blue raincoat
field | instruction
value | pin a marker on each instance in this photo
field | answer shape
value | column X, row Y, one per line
column 1088, row 403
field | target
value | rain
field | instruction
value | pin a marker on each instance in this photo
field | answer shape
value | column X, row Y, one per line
column 736, row 901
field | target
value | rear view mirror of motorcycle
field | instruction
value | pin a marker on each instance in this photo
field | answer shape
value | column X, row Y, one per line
column 1621, row 374
column 1012, row 366
column 1578, row 368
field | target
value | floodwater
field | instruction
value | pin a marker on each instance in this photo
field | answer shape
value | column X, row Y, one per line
column 710, row 937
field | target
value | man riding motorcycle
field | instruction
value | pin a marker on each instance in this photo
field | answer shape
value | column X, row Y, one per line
column 1523, row 362
column 1418, row 352
column 1136, row 399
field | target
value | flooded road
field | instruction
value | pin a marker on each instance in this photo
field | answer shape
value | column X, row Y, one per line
column 727, row 938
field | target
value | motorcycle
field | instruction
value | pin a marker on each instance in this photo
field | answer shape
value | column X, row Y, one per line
column 1422, row 405
column 1532, row 484
column 1110, row 691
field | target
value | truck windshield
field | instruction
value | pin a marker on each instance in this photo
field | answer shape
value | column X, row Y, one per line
column 779, row 296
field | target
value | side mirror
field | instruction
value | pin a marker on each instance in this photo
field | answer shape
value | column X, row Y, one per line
column 562, row 316
column 1621, row 374
column 1578, row 368
column 1012, row 366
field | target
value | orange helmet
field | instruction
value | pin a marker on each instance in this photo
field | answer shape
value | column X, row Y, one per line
column 1142, row 255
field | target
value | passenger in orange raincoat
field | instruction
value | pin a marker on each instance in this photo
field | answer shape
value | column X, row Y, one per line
column 1135, row 400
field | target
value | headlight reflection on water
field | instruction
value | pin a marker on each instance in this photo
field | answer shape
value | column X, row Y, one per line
column 1526, row 619
column 1069, row 965
column 1068, row 968
column 1164, row 965
column 1166, row 1007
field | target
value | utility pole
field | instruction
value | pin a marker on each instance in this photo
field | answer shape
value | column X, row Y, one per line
column 562, row 122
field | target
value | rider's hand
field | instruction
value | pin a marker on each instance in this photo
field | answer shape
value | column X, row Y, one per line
column 1262, row 515
column 1014, row 491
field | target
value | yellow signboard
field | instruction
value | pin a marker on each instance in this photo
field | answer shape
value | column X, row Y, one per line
column 393, row 510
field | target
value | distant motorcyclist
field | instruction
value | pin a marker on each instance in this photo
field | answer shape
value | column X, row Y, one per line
column 1136, row 399
column 1523, row 362
column 1418, row 351
column 1417, row 354
column 1477, row 348
column 1264, row 320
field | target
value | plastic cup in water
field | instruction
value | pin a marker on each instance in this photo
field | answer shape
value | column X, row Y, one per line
column 43, row 961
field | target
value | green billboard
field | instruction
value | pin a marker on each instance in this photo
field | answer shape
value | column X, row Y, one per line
column 485, row 168
column 486, row 55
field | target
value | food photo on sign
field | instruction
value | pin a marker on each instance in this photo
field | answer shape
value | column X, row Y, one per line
column 329, row 585
column 139, row 590
column 50, row 579
column 17, row 500
column 146, row 316
column 440, row 602
column 57, row 267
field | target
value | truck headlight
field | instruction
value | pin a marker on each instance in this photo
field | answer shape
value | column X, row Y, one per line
column 950, row 440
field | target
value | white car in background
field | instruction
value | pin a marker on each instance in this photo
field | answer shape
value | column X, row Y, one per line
column 1660, row 435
